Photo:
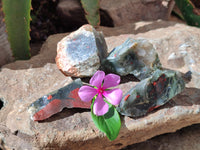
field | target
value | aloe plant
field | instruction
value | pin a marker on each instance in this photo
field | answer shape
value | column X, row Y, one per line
column 17, row 19
column 91, row 8
column 189, row 12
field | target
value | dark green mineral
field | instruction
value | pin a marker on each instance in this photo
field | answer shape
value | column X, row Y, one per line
column 137, row 57
column 151, row 93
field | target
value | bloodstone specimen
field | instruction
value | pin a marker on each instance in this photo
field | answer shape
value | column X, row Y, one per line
column 137, row 57
column 54, row 102
column 80, row 53
column 151, row 93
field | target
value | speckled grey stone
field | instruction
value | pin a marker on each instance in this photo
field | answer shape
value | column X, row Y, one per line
column 137, row 57
column 80, row 53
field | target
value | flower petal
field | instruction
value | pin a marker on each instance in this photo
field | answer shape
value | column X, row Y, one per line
column 113, row 96
column 97, row 79
column 111, row 80
column 100, row 107
column 86, row 93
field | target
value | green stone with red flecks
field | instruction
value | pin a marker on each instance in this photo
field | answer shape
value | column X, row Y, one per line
column 137, row 57
column 151, row 93
column 55, row 101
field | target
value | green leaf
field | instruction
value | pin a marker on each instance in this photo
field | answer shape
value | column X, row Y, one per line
column 109, row 123
column 17, row 19
column 91, row 8
column 189, row 12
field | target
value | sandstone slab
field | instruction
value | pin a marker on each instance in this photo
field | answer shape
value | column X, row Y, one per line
column 183, row 139
column 23, row 82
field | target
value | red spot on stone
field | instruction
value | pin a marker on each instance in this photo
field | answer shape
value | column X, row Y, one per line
column 138, row 96
column 53, row 107
column 49, row 97
column 126, row 97
column 76, row 100
column 88, row 47
column 131, row 62
column 74, row 94
column 115, row 55
column 74, row 39
column 152, row 108
column 144, row 69
column 154, row 83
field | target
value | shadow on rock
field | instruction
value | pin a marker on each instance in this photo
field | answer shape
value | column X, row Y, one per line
column 188, row 97
column 154, row 26
column 135, row 28
column 65, row 113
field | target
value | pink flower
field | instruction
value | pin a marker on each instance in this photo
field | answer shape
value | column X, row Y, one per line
column 101, row 83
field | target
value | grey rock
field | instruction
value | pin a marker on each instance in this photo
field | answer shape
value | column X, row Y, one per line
column 80, row 53
column 137, row 57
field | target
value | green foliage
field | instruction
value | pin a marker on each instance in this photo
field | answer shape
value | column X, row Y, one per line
column 109, row 123
column 91, row 8
column 189, row 12
column 17, row 19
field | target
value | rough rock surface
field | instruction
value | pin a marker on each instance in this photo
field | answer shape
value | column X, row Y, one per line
column 184, row 139
column 118, row 12
column 80, row 53
column 22, row 82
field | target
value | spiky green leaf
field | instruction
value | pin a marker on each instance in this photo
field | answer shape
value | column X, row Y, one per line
column 17, row 19
column 91, row 8
column 189, row 12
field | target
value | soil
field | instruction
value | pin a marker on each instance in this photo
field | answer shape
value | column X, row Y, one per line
column 196, row 3
column 44, row 20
